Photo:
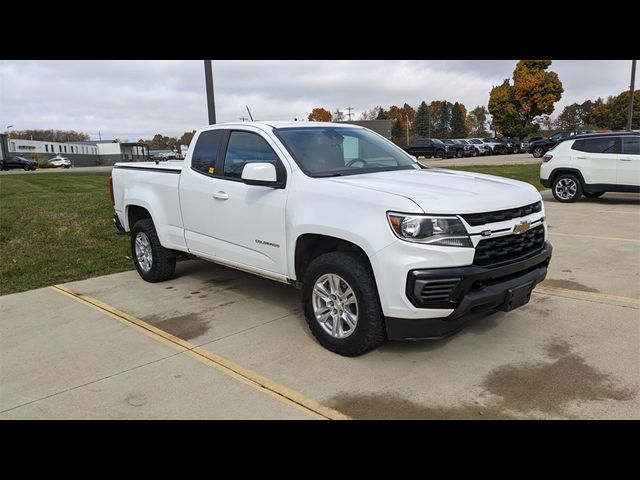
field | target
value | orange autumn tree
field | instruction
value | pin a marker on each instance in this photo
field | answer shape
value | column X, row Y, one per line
column 319, row 114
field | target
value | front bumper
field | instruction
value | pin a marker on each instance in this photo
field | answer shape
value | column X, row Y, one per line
column 479, row 291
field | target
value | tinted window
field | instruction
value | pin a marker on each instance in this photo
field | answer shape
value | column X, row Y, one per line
column 631, row 145
column 206, row 152
column 595, row 145
column 423, row 142
column 243, row 148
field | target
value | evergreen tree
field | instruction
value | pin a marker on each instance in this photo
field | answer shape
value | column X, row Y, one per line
column 421, row 123
column 458, row 125
column 442, row 121
column 397, row 133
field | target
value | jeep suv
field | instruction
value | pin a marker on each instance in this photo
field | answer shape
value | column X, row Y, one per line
column 591, row 165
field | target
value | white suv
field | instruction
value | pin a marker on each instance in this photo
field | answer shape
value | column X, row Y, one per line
column 591, row 165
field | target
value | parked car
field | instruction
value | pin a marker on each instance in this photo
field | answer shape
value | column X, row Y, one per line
column 519, row 146
column 507, row 145
column 10, row 163
column 469, row 150
column 481, row 147
column 430, row 147
column 458, row 148
column 344, row 214
column 539, row 147
column 62, row 162
column 497, row 147
column 591, row 165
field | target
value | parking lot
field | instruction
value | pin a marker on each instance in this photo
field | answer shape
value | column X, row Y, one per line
column 219, row 343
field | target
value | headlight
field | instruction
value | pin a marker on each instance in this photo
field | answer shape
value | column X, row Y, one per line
column 430, row 229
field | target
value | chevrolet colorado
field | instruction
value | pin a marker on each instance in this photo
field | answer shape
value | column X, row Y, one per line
column 381, row 246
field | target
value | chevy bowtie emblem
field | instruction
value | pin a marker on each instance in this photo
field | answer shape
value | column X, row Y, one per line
column 522, row 227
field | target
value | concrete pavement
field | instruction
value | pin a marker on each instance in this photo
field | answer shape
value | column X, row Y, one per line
column 572, row 352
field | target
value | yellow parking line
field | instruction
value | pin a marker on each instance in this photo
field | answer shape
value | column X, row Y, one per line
column 617, row 239
column 600, row 296
column 286, row 395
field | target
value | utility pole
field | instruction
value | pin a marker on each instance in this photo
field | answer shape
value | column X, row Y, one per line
column 631, row 91
column 211, row 105
column 408, row 123
column 338, row 115
column 349, row 108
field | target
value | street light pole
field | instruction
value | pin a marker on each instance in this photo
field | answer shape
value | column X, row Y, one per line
column 211, row 106
column 407, row 117
column 631, row 91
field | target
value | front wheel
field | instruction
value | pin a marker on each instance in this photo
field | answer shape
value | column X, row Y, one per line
column 341, row 304
column 459, row 154
column 440, row 154
column 593, row 194
column 538, row 152
column 566, row 188
column 153, row 262
column 27, row 168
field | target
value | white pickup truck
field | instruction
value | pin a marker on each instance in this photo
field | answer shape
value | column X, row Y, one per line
column 382, row 247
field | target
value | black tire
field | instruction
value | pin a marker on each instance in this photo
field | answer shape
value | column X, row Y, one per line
column 516, row 150
column 459, row 153
column 26, row 168
column 369, row 332
column 593, row 194
column 474, row 152
column 163, row 261
column 538, row 152
column 566, row 188
column 440, row 153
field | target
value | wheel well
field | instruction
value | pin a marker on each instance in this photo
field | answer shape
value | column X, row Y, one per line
column 310, row 246
column 135, row 213
column 560, row 171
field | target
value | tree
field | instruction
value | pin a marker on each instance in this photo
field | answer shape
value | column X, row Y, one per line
column 50, row 135
column 372, row 114
column 397, row 132
column 572, row 117
column 186, row 138
column 421, row 122
column 600, row 113
column 533, row 93
column 382, row 114
column 319, row 114
column 478, row 121
column 619, row 111
column 441, row 117
column 458, row 125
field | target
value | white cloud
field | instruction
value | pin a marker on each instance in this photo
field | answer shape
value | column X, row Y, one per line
column 136, row 99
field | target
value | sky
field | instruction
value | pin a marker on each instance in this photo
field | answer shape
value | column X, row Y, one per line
column 135, row 99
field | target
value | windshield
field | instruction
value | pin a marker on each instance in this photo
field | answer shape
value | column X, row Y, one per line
column 329, row 151
column 450, row 142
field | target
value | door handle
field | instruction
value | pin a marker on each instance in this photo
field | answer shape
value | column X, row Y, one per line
column 220, row 195
column 626, row 159
column 582, row 158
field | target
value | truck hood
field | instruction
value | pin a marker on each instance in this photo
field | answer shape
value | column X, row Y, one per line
column 447, row 191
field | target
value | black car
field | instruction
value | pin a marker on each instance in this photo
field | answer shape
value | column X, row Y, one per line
column 539, row 147
column 430, row 147
column 518, row 145
column 459, row 148
column 10, row 163
column 507, row 145
column 469, row 149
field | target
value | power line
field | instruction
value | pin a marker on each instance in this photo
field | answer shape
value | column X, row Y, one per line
column 349, row 114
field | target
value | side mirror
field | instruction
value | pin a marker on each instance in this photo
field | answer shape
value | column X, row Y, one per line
column 261, row 174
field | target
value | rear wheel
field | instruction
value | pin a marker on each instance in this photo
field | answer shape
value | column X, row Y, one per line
column 474, row 152
column 459, row 153
column 341, row 304
column 153, row 262
column 593, row 194
column 566, row 188
column 440, row 153
column 27, row 168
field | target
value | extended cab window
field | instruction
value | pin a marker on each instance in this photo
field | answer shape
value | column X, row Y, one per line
column 595, row 145
column 205, row 154
column 246, row 147
column 631, row 145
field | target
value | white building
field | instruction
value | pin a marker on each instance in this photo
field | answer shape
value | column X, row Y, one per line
column 18, row 147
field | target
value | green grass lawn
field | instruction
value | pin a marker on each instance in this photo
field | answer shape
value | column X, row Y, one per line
column 529, row 173
column 57, row 228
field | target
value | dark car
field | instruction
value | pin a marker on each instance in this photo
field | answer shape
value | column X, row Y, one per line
column 459, row 148
column 10, row 163
column 539, row 147
column 469, row 149
column 430, row 147
column 507, row 145
column 518, row 145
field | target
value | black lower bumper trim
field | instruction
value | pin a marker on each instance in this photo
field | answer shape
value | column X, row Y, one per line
column 545, row 182
column 486, row 292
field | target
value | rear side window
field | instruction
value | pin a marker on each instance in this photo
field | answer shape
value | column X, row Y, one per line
column 631, row 145
column 595, row 145
column 205, row 154
column 243, row 148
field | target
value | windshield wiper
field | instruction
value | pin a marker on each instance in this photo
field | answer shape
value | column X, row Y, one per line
column 325, row 175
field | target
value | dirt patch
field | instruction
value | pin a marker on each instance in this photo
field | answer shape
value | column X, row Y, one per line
column 224, row 304
column 543, row 387
column 220, row 281
column 185, row 327
column 195, row 293
column 548, row 387
column 568, row 284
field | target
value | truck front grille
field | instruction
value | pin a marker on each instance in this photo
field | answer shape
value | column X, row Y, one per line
column 508, row 248
column 475, row 219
